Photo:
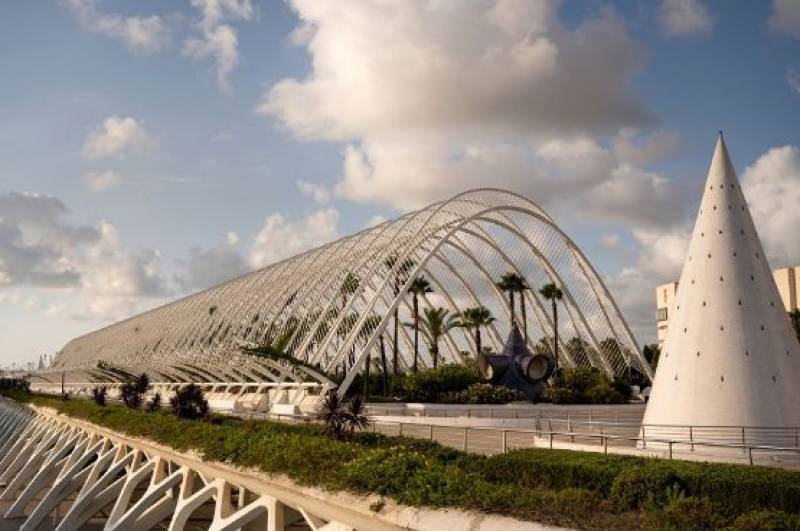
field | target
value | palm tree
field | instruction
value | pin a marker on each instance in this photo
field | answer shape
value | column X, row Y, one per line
column 475, row 318
column 349, row 286
column 419, row 286
column 552, row 293
column 435, row 323
column 513, row 283
column 400, row 277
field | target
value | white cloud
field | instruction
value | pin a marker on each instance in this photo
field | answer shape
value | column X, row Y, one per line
column 280, row 237
column 772, row 188
column 504, row 65
column 440, row 97
column 610, row 241
column 793, row 78
column 685, row 17
column 639, row 149
column 140, row 34
column 314, row 191
column 98, row 182
column 117, row 137
column 216, row 39
column 89, row 266
column 208, row 267
column 785, row 17
column 376, row 220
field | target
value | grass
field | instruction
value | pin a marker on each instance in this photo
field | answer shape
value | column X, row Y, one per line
column 560, row 487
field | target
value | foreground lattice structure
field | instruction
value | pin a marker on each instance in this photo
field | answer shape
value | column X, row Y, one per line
column 333, row 308
column 62, row 474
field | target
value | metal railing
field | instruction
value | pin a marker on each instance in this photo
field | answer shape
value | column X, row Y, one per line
column 475, row 438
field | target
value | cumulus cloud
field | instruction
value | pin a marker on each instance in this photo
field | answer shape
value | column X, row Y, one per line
column 772, row 188
column 140, row 34
column 685, row 17
column 101, row 181
column 40, row 249
column 434, row 98
column 117, row 137
column 785, row 17
column 633, row 147
column 215, row 38
column 35, row 241
column 460, row 65
column 208, row 267
column 314, row 191
column 280, row 237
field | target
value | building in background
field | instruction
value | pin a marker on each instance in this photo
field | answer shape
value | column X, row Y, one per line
column 787, row 280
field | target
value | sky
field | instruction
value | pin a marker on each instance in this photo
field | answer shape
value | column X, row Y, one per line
column 151, row 149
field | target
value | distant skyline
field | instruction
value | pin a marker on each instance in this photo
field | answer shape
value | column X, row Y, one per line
column 151, row 149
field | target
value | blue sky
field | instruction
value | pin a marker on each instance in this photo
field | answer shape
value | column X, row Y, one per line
column 148, row 149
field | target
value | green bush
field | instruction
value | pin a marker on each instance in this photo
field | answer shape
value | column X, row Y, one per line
column 689, row 514
column 482, row 393
column 767, row 521
column 189, row 402
column 433, row 384
column 635, row 486
column 586, row 385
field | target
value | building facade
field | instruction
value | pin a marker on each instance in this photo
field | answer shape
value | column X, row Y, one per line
column 787, row 279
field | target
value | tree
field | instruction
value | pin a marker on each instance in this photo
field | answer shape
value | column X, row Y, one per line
column 795, row 317
column 419, row 286
column 189, row 402
column 349, row 286
column 651, row 353
column 400, row 277
column 154, row 404
column 342, row 417
column 552, row 293
column 513, row 284
column 133, row 391
column 434, row 324
column 474, row 319
column 99, row 395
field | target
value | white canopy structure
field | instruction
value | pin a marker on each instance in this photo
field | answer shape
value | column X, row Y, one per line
column 730, row 358
column 333, row 308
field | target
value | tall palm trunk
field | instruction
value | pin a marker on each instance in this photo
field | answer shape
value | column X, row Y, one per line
column 524, row 316
column 416, row 331
column 435, row 354
column 555, row 332
column 478, row 339
column 383, row 366
column 511, row 306
column 366, row 375
column 395, row 337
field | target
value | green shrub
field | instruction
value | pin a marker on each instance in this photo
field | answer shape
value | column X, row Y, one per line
column 100, row 395
column 189, row 403
column 482, row 393
column 586, row 385
column 767, row 521
column 635, row 486
column 430, row 385
column 689, row 514
column 133, row 390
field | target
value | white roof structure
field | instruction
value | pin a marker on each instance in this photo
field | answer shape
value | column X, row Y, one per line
column 730, row 357
column 334, row 305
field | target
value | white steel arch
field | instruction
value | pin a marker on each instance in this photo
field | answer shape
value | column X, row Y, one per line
column 301, row 306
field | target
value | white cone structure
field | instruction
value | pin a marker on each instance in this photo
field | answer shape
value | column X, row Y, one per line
column 730, row 357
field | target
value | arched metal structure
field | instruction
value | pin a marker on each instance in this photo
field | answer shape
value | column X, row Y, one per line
column 329, row 306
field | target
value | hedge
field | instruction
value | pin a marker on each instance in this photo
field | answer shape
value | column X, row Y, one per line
column 575, row 489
